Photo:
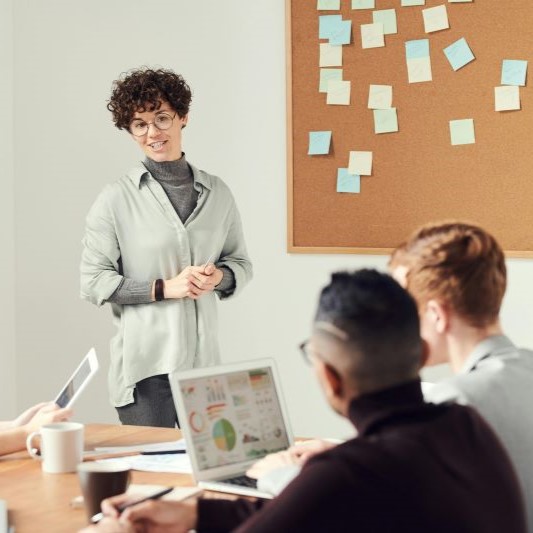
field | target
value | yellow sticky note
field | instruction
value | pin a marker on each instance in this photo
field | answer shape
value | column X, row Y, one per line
column 338, row 92
column 507, row 98
column 435, row 19
column 380, row 97
column 372, row 35
column 330, row 55
column 360, row 163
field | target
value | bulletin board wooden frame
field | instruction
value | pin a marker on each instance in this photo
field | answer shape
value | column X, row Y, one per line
column 418, row 176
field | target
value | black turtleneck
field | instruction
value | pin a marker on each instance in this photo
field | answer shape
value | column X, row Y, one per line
column 176, row 178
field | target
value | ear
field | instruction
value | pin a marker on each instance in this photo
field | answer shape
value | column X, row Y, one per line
column 438, row 315
column 184, row 120
column 332, row 381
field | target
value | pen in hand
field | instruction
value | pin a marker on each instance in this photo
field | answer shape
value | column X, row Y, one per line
column 164, row 452
column 98, row 516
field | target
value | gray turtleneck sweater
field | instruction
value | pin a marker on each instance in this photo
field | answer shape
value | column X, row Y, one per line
column 177, row 181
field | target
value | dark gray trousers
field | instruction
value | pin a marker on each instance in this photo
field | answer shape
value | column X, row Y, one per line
column 153, row 404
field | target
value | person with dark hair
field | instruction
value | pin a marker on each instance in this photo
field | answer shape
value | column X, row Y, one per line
column 414, row 467
column 159, row 244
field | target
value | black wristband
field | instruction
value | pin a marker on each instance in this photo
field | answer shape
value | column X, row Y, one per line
column 159, row 290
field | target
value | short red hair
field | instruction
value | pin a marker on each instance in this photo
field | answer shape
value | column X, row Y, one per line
column 459, row 264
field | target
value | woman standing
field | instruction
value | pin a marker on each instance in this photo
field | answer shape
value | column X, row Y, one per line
column 159, row 244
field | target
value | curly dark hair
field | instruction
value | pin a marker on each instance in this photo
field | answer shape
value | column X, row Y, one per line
column 143, row 89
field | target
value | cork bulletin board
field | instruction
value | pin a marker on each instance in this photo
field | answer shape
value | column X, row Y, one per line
column 418, row 176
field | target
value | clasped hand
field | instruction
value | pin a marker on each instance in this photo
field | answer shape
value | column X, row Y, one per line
column 193, row 282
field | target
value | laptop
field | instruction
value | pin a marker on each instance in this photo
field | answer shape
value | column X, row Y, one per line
column 231, row 416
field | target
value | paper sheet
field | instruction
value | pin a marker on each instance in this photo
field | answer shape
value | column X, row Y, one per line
column 435, row 19
column 319, row 142
column 363, row 4
column 385, row 120
column 330, row 55
column 327, row 74
column 328, row 5
column 150, row 447
column 338, row 92
column 387, row 17
column 380, row 97
column 406, row 3
column 514, row 72
column 459, row 54
column 342, row 33
column 178, row 463
column 347, row 182
column 462, row 131
column 360, row 163
column 372, row 35
column 327, row 25
column 507, row 98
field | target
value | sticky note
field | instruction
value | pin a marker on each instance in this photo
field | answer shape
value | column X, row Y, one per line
column 435, row 19
column 372, row 35
column 319, row 142
column 363, row 4
column 462, row 131
column 387, row 17
column 380, row 97
column 507, row 98
column 327, row 25
column 514, row 72
column 328, row 74
column 330, row 55
column 459, row 1
column 459, row 54
column 342, row 33
column 328, row 5
column 406, row 3
column 418, row 60
column 347, row 182
column 338, row 92
column 385, row 120
column 360, row 163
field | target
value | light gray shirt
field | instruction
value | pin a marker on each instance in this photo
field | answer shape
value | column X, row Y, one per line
column 497, row 379
column 133, row 231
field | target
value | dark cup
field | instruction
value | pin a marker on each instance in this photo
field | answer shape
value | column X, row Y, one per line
column 99, row 481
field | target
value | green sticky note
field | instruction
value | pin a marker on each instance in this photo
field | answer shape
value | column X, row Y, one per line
column 514, row 72
column 388, row 18
column 319, row 142
column 462, row 131
column 363, row 4
column 327, row 74
column 328, row 5
column 347, row 182
column 385, row 120
column 406, row 3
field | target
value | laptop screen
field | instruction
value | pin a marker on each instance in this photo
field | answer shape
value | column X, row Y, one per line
column 234, row 417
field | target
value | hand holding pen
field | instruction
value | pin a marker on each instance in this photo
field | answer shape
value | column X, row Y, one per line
column 121, row 507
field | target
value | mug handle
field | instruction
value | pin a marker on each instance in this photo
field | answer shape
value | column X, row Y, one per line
column 34, row 452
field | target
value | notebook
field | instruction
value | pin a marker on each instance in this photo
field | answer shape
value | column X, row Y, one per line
column 231, row 416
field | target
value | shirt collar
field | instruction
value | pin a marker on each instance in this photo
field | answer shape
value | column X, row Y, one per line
column 488, row 346
column 140, row 173
column 369, row 411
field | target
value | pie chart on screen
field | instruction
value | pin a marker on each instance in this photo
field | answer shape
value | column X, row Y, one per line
column 224, row 435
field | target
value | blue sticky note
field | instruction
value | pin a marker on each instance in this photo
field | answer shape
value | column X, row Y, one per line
column 341, row 33
column 417, row 49
column 347, row 182
column 319, row 142
column 459, row 54
column 514, row 72
column 327, row 24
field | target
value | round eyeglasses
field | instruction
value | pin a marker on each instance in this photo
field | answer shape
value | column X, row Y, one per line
column 162, row 121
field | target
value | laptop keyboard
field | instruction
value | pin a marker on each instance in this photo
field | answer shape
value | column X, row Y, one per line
column 243, row 481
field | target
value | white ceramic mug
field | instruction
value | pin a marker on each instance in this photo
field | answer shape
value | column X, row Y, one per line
column 61, row 446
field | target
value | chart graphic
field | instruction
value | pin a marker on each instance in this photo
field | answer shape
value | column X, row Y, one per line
column 224, row 435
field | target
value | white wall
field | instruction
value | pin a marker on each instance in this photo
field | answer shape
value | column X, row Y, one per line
column 8, row 379
column 67, row 52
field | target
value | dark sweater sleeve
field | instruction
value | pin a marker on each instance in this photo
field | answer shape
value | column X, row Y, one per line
column 227, row 285
column 132, row 292
column 216, row 516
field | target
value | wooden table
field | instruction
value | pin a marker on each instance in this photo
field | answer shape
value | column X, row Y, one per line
column 40, row 502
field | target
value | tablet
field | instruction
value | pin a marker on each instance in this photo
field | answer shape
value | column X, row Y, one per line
column 78, row 381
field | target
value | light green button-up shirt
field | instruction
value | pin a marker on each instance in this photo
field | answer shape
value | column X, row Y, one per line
column 133, row 231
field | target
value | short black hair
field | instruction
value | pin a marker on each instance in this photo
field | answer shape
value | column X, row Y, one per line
column 381, row 322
